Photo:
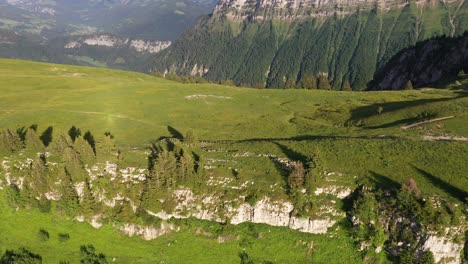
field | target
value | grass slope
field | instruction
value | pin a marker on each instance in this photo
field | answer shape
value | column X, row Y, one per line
column 353, row 133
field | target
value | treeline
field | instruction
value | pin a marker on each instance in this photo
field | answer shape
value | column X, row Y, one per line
column 308, row 82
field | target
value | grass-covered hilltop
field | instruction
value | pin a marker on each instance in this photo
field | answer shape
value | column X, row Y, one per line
column 106, row 166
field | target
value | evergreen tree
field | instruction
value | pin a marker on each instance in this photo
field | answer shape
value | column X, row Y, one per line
column 90, row 256
column 308, row 82
column 105, row 147
column 88, row 204
column 39, row 175
column 346, row 86
column 323, row 83
column 461, row 73
column 84, row 150
column 408, row 86
column 290, row 84
column 20, row 256
column 245, row 259
column 61, row 142
column 190, row 138
column 32, row 140
column 297, row 176
column 69, row 201
column 10, row 141
column 185, row 166
column 427, row 258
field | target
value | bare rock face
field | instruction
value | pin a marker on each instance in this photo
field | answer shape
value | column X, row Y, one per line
column 104, row 40
column 265, row 211
column 444, row 251
column 148, row 232
column 291, row 9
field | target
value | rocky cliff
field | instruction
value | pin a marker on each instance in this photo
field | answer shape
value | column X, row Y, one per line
column 291, row 9
column 111, row 41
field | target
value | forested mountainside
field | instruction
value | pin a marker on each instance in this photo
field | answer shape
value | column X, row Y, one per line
column 426, row 63
column 268, row 43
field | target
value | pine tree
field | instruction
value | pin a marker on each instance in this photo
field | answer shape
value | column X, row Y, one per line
column 346, row 86
column 290, row 84
column 39, row 175
column 408, row 86
column 69, row 201
column 10, row 141
column 60, row 143
column 84, row 150
column 32, row 141
column 323, row 83
column 88, row 204
column 190, row 138
column 308, row 82
column 185, row 166
column 105, row 147
column 297, row 176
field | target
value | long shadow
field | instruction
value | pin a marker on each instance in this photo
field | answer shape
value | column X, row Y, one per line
column 396, row 123
column 46, row 136
column 383, row 181
column 175, row 133
column 304, row 138
column 371, row 110
column 292, row 154
column 460, row 194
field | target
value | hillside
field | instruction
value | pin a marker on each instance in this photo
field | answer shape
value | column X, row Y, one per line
column 93, row 155
column 268, row 43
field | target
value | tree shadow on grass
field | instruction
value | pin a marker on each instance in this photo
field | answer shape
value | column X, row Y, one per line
column 455, row 192
column 371, row 110
column 175, row 133
column 383, row 181
column 46, row 136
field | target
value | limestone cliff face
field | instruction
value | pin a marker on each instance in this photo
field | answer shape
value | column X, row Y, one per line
column 265, row 211
column 291, row 9
column 105, row 40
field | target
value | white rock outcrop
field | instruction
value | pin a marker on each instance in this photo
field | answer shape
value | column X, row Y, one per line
column 104, row 40
column 265, row 211
column 444, row 251
column 148, row 232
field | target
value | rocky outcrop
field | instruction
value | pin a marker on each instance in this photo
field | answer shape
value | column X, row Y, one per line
column 104, row 40
column 148, row 232
column 265, row 211
column 444, row 251
column 293, row 9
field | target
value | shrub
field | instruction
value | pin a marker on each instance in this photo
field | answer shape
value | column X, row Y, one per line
column 63, row 237
column 43, row 235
